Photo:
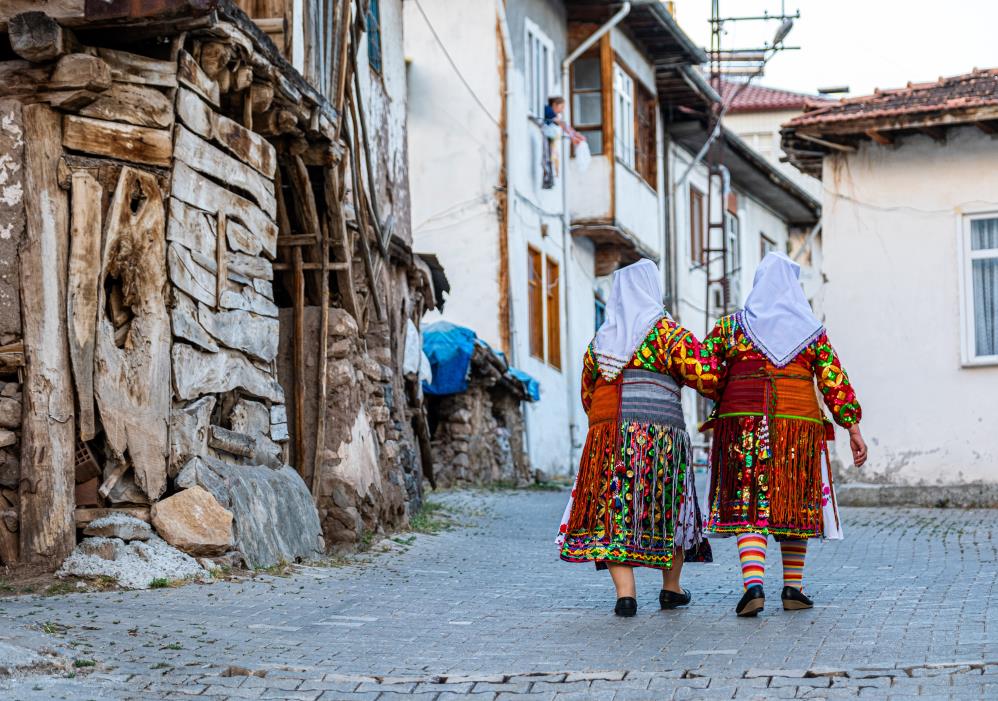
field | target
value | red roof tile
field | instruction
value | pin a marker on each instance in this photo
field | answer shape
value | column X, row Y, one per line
column 947, row 95
column 758, row 98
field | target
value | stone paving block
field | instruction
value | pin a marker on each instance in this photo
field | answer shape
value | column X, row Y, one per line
column 234, row 692
column 815, row 682
column 290, row 695
column 590, row 676
column 321, row 685
column 508, row 687
column 405, row 696
column 637, row 682
column 448, row 696
column 663, row 683
column 395, row 688
column 605, row 695
column 540, row 696
column 464, row 688
column 338, row 696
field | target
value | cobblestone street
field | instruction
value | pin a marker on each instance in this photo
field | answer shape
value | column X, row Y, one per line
column 905, row 607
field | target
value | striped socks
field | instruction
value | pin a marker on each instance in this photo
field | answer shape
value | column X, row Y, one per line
column 752, row 553
column 793, row 552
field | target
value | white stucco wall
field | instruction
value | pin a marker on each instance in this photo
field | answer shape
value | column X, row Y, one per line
column 761, row 131
column 892, row 303
column 454, row 154
column 638, row 208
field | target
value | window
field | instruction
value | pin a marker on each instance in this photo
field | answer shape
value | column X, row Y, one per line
column 600, row 312
column 539, row 69
column 535, row 297
column 733, row 257
column 554, row 316
column 544, row 307
column 587, row 101
column 980, row 278
column 696, row 225
column 623, row 116
column 374, row 35
column 766, row 245
column 645, row 142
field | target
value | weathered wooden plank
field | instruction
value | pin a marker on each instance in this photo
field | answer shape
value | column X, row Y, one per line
column 186, row 325
column 250, row 266
column 37, row 37
column 134, row 104
column 189, row 276
column 81, row 302
column 132, row 380
column 123, row 141
column 11, row 214
column 242, row 330
column 199, row 191
column 191, row 227
column 190, row 74
column 244, row 144
column 248, row 299
column 71, row 72
column 84, row 516
column 205, row 158
column 196, row 374
column 231, row 442
column 57, row 9
column 189, row 432
column 242, row 239
column 47, row 482
column 132, row 68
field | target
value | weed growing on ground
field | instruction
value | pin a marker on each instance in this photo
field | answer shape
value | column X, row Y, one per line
column 59, row 588
column 84, row 663
column 432, row 518
column 280, row 569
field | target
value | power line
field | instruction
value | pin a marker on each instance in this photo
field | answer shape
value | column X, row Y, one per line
column 453, row 65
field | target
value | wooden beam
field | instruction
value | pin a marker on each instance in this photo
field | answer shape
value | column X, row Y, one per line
column 989, row 128
column 126, row 142
column 331, row 266
column 36, row 37
column 882, row 138
column 297, row 240
column 835, row 146
column 81, row 303
column 937, row 134
column 71, row 72
column 48, row 439
column 65, row 10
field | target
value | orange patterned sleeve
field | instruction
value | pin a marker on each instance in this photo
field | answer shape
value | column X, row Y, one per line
column 836, row 390
column 676, row 351
column 589, row 375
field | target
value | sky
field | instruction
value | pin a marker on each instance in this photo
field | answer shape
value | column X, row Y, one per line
column 865, row 44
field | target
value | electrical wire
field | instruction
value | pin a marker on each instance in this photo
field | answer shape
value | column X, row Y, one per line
column 453, row 65
column 956, row 208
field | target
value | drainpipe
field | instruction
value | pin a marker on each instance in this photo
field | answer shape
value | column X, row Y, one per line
column 566, row 217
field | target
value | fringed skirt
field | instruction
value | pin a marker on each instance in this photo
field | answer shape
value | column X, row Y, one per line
column 634, row 499
column 766, row 472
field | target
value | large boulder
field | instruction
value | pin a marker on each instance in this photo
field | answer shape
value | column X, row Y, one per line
column 275, row 519
column 194, row 521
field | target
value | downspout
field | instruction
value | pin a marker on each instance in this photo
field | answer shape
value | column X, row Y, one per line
column 566, row 217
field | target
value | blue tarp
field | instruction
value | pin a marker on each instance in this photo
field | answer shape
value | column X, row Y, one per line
column 449, row 348
column 532, row 385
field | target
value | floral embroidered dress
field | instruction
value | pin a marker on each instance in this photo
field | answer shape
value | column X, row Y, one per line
column 634, row 499
column 770, row 434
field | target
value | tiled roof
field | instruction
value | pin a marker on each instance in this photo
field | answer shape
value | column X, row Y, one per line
column 946, row 95
column 758, row 98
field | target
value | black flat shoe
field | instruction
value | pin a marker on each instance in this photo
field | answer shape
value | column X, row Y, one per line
column 753, row 601
column 626, row 606
column 670, row 599
column 795, row 600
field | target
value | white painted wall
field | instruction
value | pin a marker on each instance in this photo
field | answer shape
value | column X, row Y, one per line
column 892, row 302
column 761, row 131
column 637, row 208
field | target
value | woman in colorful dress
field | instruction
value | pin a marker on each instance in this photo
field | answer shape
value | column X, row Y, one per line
column 767, row 476
column 634, row 503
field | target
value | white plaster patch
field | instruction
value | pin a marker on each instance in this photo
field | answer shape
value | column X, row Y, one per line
column 11, row 195
column 358, row 456
column 10, row 126
column 6, row 231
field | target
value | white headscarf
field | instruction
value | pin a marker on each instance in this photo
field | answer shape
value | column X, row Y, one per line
column 777, row 318
column 634, row 307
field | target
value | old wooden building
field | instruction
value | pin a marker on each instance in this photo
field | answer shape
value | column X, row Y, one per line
column 205, row 275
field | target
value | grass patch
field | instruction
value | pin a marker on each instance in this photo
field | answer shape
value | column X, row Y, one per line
column 159, row 583
column 432, row 518
column 59, row 589
column 53, row 628
column 281, row 569
column 162, row 665
column 172, row 646
column 84, row 663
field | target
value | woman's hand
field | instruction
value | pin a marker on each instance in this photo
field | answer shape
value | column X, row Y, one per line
column 858, row 445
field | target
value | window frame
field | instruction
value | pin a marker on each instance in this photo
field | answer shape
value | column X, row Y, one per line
column 697, row 243
column 763, row 240
column 535, row 302
column 624, row 115
column 646, row 157
column 968, row 341
column 585, row 129
column 537, row 96
column 552, row 311
column 375, row 53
